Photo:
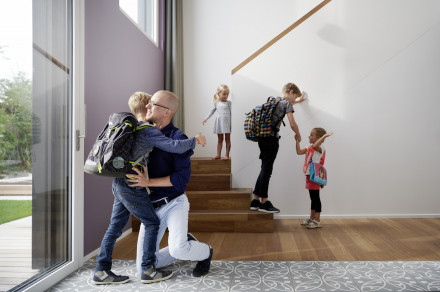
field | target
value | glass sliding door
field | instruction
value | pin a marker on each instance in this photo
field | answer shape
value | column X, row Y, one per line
column 37, row 147
column 52, row 106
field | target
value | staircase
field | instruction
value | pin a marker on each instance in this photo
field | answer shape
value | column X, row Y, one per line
column 215, row 206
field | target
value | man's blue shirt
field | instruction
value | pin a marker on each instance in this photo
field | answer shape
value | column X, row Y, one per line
column 177, row 166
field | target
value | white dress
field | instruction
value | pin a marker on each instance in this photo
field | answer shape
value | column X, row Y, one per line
column 222, row 124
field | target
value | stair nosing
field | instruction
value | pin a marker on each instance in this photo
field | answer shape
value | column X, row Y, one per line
column 227, row 211
column 232, row 190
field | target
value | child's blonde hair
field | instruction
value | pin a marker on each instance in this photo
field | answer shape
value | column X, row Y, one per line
column 138, row 102
column 319, row 132
column 220, row 88
column 290, row 86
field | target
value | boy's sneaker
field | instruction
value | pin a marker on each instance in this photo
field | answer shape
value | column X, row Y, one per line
column 191, row 237
column 255, row 204
column 314, row 224
column 268, row 208
column 202, row 267
column 108, row 277
column 152, row 275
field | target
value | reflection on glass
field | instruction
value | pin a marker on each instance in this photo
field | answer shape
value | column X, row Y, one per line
column 35, row 105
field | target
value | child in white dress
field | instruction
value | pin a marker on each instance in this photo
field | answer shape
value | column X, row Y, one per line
column 222, row 124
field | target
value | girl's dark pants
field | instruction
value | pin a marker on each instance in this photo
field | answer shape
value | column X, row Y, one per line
column 316, row 201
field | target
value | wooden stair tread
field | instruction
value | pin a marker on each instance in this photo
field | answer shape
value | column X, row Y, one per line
column 210, row 174
column 231, row 212
column 207, row 158
column 230, row 191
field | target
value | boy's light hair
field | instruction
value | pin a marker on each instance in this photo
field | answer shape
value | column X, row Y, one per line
column 138, row 102
column 220, row 88
column 319, row 132
column 290, row 86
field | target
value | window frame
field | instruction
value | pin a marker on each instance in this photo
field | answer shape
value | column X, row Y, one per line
column 141, row 23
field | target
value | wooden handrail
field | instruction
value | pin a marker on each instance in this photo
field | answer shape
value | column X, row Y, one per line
column 278, row 37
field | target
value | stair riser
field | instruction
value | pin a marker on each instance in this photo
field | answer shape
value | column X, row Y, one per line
column 209, row 166
column 209, row 183
column 235, row 201
column 232, row 227
column 230, row 223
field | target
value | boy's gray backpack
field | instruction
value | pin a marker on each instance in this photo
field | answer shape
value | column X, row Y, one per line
column 110, row 155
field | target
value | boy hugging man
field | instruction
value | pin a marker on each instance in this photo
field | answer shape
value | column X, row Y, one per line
column 135, row 200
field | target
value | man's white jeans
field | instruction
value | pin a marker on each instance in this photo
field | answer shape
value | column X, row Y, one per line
column 173, row 215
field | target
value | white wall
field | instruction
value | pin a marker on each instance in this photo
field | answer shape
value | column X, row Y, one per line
column 371, row 68
column 219, row 35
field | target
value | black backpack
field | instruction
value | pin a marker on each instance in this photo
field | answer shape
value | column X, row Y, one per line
column 111, row 152
column 258, row 122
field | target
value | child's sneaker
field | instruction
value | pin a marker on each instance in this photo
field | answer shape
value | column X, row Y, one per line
column 152, row 275
column 268, row 208
column 314, row 224
column 306, row 221
column 108, row 277
column 255, row 204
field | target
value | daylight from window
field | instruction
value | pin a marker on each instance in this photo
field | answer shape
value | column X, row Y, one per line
column 144, row 13
column 15, row 92
column 15, row 140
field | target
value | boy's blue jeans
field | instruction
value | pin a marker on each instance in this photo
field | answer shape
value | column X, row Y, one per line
column 135, row 201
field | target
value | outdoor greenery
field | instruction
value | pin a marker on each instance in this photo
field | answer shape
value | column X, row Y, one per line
column 15, row 123
column 11, row 210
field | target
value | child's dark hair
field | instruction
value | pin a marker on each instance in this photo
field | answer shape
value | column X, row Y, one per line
column 320, row 132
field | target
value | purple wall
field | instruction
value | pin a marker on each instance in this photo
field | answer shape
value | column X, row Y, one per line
column 119, row 60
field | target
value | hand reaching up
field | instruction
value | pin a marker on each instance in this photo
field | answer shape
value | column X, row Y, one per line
column 200, row 139
column 328, row 134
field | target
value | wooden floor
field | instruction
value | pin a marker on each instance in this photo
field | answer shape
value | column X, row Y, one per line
column 396, row 239
column 15, row 253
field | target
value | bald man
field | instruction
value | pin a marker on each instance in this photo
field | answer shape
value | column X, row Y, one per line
column 169, row 174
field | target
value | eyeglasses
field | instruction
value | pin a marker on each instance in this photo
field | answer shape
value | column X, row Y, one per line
column 152, row 103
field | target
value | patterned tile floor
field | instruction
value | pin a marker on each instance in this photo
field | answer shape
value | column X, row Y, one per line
column 262, row 276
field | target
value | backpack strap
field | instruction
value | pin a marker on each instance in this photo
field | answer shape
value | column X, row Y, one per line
column 140, row 127
column 146, row 168
column 308, row 158
column 322, row 159
column 275, row 101
column 146, row 177
column 143, row 125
